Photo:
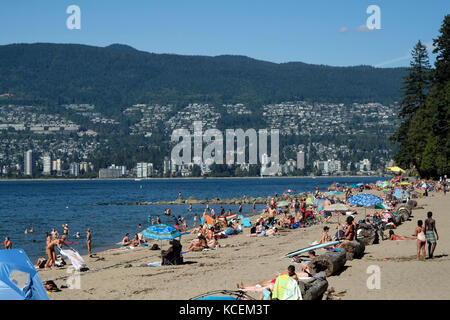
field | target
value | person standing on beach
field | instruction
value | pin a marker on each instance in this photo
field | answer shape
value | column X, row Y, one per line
column 8, row 244
column 88, row 241
column 430, row 231
column 195, row 220
column 190, row 208
column 50, row 250
column 240, row 208
column 158, row 220
column 254, row 206
column 54, row 234
column 421, row 238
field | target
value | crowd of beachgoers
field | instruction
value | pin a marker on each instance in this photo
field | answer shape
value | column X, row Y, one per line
column 283, row 212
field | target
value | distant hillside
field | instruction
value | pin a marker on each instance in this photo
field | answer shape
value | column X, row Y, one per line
column 118, row 75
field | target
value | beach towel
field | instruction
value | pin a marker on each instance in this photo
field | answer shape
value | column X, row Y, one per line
column 152, row 264
column 74, row 257
column 286, row 288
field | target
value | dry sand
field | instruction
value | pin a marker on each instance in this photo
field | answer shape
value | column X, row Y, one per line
column 249, row 260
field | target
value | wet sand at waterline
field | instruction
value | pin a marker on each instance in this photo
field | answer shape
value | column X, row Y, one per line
column 116, row 274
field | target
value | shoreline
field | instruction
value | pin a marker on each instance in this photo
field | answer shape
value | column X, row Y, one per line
column 117, row 275
column 189, row 178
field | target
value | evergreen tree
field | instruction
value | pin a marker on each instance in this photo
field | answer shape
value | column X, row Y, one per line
column 414, row 91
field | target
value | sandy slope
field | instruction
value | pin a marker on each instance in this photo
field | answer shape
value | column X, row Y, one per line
column 250, row 260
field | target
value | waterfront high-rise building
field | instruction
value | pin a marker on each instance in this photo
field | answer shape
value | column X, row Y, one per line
column 47, row 164
column 74, row 169
column 300, row 160
column 28, row 163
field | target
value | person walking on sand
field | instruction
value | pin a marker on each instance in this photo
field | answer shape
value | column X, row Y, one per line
column 431, row 234
column 88, row 241
column 421, row 239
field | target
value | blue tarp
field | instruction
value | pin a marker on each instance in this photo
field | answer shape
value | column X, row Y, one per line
column 17, row 260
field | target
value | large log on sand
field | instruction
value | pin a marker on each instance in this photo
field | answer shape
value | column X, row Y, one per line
column 412, row 203
column 313, row 289
column 329, row 262
column 403, row 211
column 369, row 234
column 354, row 249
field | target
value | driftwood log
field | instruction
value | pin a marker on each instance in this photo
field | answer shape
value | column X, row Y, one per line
column 404, row 212
column 330, row 263
column 398, row 219
column 369, row 234
column 313, row 289
column 354, row 249
column 412, row 203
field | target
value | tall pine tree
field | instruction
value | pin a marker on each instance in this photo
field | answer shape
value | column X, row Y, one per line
column 424, row 135
column 415, row 88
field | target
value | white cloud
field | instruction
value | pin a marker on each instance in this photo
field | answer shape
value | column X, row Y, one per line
column 343, row 30
column 363, row 28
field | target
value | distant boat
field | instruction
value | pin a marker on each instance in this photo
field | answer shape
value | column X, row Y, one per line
column 137, row 179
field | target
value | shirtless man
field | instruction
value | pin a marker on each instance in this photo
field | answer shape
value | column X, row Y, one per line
column 50, row 250
column 8, row 244
column 54, row 234
column 430, row 230
column 88, row 241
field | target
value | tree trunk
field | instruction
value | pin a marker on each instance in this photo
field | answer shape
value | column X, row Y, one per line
column 313, row 289
column 353, row 249
column 329, row 262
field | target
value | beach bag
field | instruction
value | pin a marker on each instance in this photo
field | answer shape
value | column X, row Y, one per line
column 296, row 225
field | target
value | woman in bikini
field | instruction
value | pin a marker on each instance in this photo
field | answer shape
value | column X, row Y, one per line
column 393, row 236
column 421, row 239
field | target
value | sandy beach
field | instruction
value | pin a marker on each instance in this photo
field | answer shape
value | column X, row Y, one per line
column 240, row 258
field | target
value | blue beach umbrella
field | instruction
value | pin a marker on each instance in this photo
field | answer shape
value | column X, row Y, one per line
column 162, row 232
column 365, row 200
column 398, row 193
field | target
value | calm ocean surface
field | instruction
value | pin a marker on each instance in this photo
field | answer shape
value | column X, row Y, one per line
column 48, row 204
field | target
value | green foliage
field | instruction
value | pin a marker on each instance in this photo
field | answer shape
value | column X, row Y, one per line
column 424, row 135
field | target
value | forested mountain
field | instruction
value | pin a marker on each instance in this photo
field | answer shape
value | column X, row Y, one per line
column 117, row 75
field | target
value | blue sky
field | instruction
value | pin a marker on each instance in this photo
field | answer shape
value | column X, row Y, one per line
column 319, row 32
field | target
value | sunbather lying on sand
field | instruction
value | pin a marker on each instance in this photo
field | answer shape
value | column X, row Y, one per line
column 269, row 285
column 393, row 236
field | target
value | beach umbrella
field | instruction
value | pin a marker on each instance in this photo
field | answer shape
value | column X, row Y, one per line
column 209, row 220
column 365, row 200
column 337, row 207
column 161, row 232
column 395, row 169
column 398, row 193
column 425, row 185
